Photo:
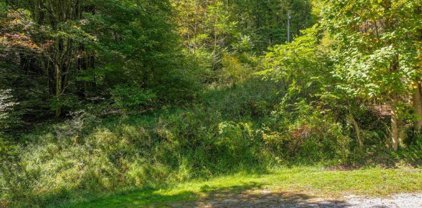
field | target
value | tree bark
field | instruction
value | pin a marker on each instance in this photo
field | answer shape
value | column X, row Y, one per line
column 417, row 102
column 357, row 130
column 58, row 90
column 398, row 130
column 395, row 132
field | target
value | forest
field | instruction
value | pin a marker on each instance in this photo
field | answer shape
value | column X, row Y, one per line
column 108, row 100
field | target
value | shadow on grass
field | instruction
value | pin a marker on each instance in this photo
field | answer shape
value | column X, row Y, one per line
column 245, row 195
column 153, row 198
column 143, row 198
column 264, row 200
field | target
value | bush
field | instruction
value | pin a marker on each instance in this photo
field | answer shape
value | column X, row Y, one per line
column 233, row 70
column 8, row 117
column 254, row 99
column 305, row 134
column 132, row 98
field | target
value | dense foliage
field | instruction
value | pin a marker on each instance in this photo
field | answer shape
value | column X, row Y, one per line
column 104, row 96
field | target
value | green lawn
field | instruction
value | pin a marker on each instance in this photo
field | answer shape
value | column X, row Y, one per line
column 309, row 181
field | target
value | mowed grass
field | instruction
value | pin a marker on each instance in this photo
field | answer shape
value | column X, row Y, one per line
column 312, row 181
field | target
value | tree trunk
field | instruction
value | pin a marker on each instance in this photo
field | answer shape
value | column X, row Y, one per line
column 395, row 119
column 417, row 102
column 395, row 133
column 58, row 90
column 398, row 130
column 357, row 130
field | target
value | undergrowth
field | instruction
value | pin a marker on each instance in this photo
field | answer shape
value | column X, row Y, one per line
column 89, row 156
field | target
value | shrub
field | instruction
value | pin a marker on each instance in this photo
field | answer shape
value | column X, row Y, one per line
column 132, row 98
column 306, row 135
column 8, row 118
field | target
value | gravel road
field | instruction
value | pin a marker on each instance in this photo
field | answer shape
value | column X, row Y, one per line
column 396, row 201
column 287, row 200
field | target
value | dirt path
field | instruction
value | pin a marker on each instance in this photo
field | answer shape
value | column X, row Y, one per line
column 267, row 199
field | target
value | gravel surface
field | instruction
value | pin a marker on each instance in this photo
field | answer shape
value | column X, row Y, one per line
column 400, row 200
column 266, row 199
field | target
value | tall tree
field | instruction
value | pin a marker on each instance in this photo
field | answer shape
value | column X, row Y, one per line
column 376, row 53
column 57, row 35
column 76, row 51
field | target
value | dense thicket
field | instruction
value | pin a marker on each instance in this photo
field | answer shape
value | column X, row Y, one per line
column 225, row 36
column 59, row 56
column 104, row 96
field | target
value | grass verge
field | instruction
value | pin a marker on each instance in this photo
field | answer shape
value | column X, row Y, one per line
column 311, row 181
